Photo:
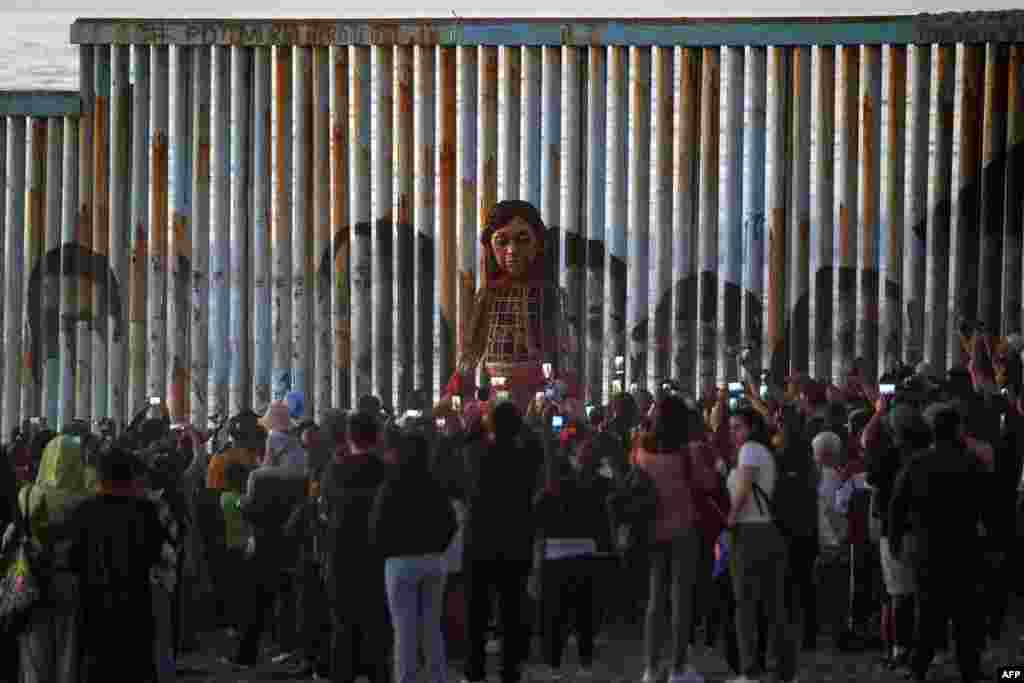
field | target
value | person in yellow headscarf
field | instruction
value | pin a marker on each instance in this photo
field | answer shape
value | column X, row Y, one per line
column 48, row 647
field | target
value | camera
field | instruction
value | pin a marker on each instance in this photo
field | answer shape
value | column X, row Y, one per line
column 735, row 393
column 155, row 400
column 456, row 405
column 557, row 422
column 548, row 370
column 887, row 389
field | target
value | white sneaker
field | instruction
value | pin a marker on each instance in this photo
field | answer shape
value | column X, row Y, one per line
column 649, row 677
column 741, row 679
column 690, row 676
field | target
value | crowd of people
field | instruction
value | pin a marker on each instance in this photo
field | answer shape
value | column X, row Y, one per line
column 379, row 545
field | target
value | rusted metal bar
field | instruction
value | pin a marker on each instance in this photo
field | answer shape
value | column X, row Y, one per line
column 531, row 173
column 446, row 108
column 35, row 237
column 120, row 226
column 963, row 289
column 49, row 347
column 220, row 229
column 823, row 226
column 1013, row 218
column 238, row 326
column 156, row 325
column 509, row 137
column 639, row 226
column 4, row 243
column 362, row 311
column 777, row 190
column 323, row 256
column 68, row 292
column 83, row 344
column 800, row 210
column 179, row 234
column 199, row 289
column 731, row 228
column 487, row 138
column 101, row 227
column 993, row 181
column 467, row 189
column 869, row 170
column 939, row 201
column 138, row 343
column 916, row 228
column 847, row 99
column 551, row 151
column 281, row 230
column 708, row 284
column 618, row 130
column 660, row 319
column 597, row 249
column 754, row 141
column 14, row 271
column 262, row 206
column 341, row 230
column 425, row 253
column 405, row 283
column 301, row 205
column 383, row 247
column 684, row 220
column 893, row 177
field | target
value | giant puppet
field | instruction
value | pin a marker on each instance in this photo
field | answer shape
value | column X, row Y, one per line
column 516, row 324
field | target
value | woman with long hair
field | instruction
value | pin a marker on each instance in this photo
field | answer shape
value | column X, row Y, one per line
column 664, row 454
column 758, row 550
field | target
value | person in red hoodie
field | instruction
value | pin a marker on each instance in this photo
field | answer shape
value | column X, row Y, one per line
column 680, row 475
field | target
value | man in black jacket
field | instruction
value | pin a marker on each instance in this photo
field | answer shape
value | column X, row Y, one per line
column 941, row 497
column 359, row 611
column 499, row 537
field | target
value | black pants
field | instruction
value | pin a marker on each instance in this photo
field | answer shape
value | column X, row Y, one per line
column 803, row 552
column 268, row 583
column 722, row 622
column 568, row 592
column 997, row 595
column 361, row 642
column 508, row 579
column 947, row 590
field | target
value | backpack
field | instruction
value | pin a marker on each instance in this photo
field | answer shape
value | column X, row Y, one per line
column 793, row 504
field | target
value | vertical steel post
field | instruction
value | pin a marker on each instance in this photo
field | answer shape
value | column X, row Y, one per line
column 68, row 292
column 301, row 205
column 893, row 176
column 708, row 284
column 597, row 249
column 281, row 237
column 731, row 202
column 362, row 311
column 241, row 99
column 405, row 282
column 262, row 207
column 531, row 137
column 120, row 227
column 869, row 169
column 83, row 346
column 138, row 342
column 35, row 236
column 220, row 229
column 424, row 215
column 199, row 289
column 4, row 243
column 963, row 285
column 617, row 202
column 776, row 167
column 639, row 227
column 383, row 223
column 550, row 152
column 800, row 211
column 467, row 189
column 939, row 201
column 49, row 348
column 754, row 142
column 101, row 227
column 341, row 230
column 846, row 184
column 447, row 242
column 14, row 270
column 660, row 319
column 572, row 251
column 1013, row 218
column 509, row 138
column 323, row 256
column 824, row 116
column 916, row 222
column 156, row 325
column 179, row 234
column 993, row 181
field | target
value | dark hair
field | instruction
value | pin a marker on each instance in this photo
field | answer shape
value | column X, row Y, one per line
column 508, row 423
column 118, row 465
column 758, row 426
column 505, row 212
column 670, row 428
column 414, row 452
column 363, row 429
column 335, row 426
column 236, row 476
column 370, row 405
column 483, row 394
column 946, row 423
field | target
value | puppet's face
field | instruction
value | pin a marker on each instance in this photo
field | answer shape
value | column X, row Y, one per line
column 515, row 247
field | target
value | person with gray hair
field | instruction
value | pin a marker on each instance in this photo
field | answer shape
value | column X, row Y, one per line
column 828, row 452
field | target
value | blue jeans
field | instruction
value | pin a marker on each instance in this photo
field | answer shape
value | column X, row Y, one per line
column 415, row 586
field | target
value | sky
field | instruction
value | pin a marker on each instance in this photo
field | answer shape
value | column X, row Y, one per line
column 476, row 8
